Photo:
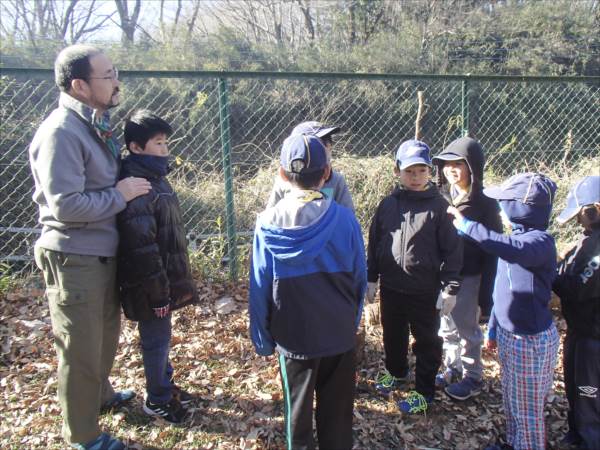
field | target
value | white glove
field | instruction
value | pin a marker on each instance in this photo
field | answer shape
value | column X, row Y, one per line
column 371, row 290
column 445, row 303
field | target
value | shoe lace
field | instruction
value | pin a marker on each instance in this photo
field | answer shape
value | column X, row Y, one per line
column 417, row 402
column 387, row 379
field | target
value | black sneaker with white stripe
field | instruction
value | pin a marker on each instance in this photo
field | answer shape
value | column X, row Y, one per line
column 185, row 398
column 171, row 411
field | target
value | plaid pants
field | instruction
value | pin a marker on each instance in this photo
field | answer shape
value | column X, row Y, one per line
column 527, row 368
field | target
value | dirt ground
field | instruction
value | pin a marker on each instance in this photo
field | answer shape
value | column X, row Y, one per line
column 239, row 404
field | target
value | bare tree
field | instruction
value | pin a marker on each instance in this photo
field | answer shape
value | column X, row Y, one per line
column 128, row 23
column 64, row 22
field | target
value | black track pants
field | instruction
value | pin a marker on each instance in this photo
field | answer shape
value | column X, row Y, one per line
column 401, row 313
column 581, row 365
column 332, row 379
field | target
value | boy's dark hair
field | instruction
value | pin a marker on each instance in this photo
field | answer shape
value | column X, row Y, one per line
column 142, row 126
column 306, row 180
column 73, row 63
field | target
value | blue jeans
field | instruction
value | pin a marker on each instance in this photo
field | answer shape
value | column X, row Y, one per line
column 155, row 338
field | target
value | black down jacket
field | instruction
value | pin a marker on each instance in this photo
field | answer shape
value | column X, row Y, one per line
column 153, row 264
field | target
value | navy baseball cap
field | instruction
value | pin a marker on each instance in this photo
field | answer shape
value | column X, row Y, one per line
column 528, row 188
column 314, row 128
column 411, row 153
column 303, row 153
column 585, row 192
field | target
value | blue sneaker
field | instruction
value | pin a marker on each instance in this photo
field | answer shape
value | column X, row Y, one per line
column 415, row 403
column 466, row 388
column 447, row 377
column 102, row 442
column 387, row 383
column 119, row 399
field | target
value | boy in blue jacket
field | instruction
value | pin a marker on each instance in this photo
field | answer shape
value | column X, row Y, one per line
column 578, row 286
column 307, row 283
column 520, row 319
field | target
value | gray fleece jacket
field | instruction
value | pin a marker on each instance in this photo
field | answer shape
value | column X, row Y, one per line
column 75, row 175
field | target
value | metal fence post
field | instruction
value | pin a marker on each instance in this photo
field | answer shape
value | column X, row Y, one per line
column 464, row 106
column 226, row 150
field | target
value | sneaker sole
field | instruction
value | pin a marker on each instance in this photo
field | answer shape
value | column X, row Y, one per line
column 456, row 397
column 153, row 413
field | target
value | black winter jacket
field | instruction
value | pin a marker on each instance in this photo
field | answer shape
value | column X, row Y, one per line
column 413, row 246
column 578, row 286
column 153, row 265
column 476, row 207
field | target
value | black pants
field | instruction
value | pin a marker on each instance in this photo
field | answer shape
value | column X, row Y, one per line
column 333, row 379
column 581, row 365
column 398, row 313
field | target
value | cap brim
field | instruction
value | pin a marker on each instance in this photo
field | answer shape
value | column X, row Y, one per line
column 448, row 157
column 327, row 131
column 405, row 164
column 567, row 214
column 497, row 193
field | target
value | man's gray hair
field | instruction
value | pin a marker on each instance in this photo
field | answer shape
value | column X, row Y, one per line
column 73, row 63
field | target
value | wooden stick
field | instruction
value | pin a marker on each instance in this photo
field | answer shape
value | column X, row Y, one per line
column 420, row 114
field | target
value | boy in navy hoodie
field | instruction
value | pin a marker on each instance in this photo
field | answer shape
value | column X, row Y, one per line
column 578, row 286
column 307, row 283
column 520, row 319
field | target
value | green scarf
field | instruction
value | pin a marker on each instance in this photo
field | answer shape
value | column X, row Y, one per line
column 103, row 129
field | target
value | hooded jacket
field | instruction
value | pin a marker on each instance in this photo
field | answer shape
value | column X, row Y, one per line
column 413, row 246
column 153, row 267
column 474, row 206
column 526, row 267
column 578, row 286
column 307, row 277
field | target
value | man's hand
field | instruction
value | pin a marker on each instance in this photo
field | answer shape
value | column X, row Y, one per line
column 446, row 303
column 161, row 312
column 132, row 187
column 371, row 290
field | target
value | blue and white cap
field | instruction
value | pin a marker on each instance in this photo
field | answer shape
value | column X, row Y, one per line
column 585, row 192
column 411, row 153
column 303, row 153
column 315, row 129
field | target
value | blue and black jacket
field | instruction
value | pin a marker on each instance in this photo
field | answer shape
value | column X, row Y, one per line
column 526, row 267
column 307, row 278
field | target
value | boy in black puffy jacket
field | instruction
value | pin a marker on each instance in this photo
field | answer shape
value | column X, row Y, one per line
column 153, row 265
column 578, row 285
column 416, row 255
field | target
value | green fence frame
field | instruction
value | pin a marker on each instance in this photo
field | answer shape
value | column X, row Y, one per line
column 222, row 78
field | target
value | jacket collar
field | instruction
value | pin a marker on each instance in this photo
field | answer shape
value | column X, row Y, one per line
column 89, row 115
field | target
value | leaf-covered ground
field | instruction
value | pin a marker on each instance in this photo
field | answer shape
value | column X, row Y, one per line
column 239, row 401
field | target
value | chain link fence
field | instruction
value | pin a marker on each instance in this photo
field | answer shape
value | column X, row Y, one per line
column 229, row 128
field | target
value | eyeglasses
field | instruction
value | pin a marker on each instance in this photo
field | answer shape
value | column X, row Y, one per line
column 114, row 76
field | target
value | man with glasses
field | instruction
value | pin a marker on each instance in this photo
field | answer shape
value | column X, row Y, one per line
column 75, row 161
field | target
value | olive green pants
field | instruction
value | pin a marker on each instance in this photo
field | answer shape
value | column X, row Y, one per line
column 85, row 313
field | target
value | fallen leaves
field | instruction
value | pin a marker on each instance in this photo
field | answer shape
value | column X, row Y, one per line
column 240, row 399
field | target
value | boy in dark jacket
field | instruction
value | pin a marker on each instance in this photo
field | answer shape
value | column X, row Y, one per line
column 521, row 319
column 578, row 286
column 307, row 283
column 153, row 266
column 460, row 175
column 414, row 252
